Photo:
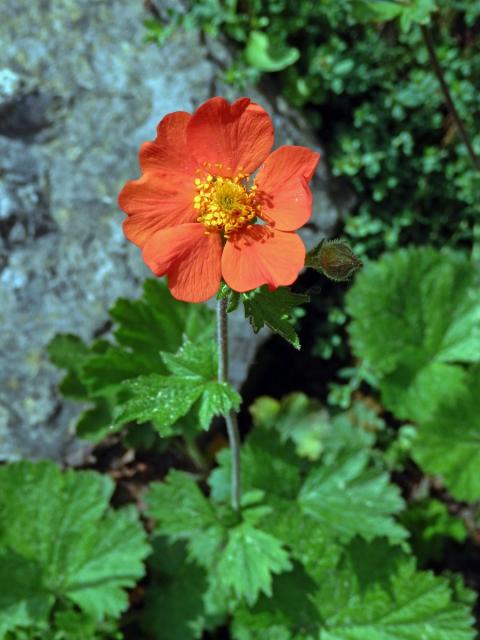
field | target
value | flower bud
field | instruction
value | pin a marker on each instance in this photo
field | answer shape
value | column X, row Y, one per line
column 334, row 259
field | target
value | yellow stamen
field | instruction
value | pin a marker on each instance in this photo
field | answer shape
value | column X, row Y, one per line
column 225, row 204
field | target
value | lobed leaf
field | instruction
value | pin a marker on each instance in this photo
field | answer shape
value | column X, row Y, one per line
column 274, row 309
column 416, row 317
column 398, row 603
column 249, row 560
column 174, row 605
column 145, row 330
column 239, row 557
column 448, row 443
column 59, row 540
column 163, row 399
column 287, row 615
column 157, row 322
column 218, row 399
column 159, row 399
column 348, row 498
column 184, row 513
column 195, row 360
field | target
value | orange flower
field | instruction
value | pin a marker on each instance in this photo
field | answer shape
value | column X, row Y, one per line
column 197, row 214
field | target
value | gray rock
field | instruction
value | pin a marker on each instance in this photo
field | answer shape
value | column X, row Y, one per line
column 79, row 91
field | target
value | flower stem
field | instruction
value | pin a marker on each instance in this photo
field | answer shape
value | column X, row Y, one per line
column 231, row 417
column 427, row 37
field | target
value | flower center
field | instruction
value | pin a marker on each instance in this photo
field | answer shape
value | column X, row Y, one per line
column 225, row 204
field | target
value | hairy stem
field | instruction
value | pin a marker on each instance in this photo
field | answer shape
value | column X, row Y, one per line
column 231, row 418
column 448, row 96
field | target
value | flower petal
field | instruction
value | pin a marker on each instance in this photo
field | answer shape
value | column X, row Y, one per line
column 283, row 186
column 238, row 136
column 190, row 257
column 260, row 255
column 156, row 201
column 169, row 151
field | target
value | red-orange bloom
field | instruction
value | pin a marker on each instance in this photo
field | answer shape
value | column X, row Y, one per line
column 197, row 214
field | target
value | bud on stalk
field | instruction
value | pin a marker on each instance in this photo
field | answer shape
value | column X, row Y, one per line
column 334, row 259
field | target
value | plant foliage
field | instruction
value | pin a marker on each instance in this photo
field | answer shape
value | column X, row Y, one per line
column 416, row 320
column 135, row 376
column 316, row 551
column 421, row 307
column 274, row 309
column 448, row 442
column 62, row 547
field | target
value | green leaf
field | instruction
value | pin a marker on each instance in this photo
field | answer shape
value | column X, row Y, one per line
column 287, row 615
column 157, row 322
column 59, row 540
column 239, row 557
column 180, row 507
column 165, row 399
column 160, row 399
column 295, row 418
column 199, row 362
column 24, row 602
column 271, row 467
column 302, row 420
column 96, row 422
column 417, row 12
column 431, row 525
column 274, row 309
column 192, row 360
column 233, row 297
column 266, row 465
column 410, row 12
column 381, row 10
column 348, row 498
column 262, row 55
column 249, row 559
column 105, row 373
column 183, row 513
column 69, row 352
column 174, row 605
column 75, row 625
column 343, row 494
column 416, row 316
column 417, row 395
column 374, row 593
column 395, row 603
column 218, row 399
column 448, row 444
column 317, row 548
column 145, row 328
column 233, row 301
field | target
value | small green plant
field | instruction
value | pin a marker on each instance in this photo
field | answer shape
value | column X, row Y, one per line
column 315, row 551
column 66, row 557
column 147, row 333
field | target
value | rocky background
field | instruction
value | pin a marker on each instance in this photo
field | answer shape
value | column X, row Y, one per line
column 79, row 91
